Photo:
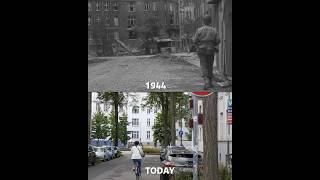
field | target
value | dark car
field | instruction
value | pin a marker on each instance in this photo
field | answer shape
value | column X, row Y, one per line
column 91, row 155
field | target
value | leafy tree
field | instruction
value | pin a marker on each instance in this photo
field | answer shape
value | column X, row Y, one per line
column 100, row 126
column 158, row 130
column 161, row 100
column 173, row 105
column 116, row 99
column 123, row 135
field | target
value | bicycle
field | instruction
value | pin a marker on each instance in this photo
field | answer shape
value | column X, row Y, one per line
column 137, row 170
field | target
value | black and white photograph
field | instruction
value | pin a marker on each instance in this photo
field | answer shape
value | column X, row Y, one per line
column 160, row 45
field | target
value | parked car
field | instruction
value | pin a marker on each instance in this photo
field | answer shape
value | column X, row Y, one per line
column 103, row 154
column 115, row 150
column 181, row 159
column 164, row 151
column 111, row 149
column 91, row 155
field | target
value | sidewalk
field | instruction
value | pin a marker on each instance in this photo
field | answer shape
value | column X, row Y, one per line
column 193, row 59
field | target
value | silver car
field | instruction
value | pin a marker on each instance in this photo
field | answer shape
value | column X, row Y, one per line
column 182, row 160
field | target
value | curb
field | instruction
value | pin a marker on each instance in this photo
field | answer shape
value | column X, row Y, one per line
column 96, row 60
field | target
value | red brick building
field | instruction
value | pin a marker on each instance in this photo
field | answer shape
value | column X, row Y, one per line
column 112, row 19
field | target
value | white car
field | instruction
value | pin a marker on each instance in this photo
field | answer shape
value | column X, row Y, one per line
column 102, row 153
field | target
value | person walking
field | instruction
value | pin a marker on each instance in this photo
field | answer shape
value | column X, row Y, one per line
column 206, row 39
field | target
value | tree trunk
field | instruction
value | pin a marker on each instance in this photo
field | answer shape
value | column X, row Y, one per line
column 116, row 113
column 167, row 126
column 210, row 139
column 173, row 121
column 89, row 116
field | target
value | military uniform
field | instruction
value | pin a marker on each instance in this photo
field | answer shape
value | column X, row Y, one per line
column 205, row 40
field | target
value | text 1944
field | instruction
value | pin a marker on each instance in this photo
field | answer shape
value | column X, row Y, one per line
column 155, row 85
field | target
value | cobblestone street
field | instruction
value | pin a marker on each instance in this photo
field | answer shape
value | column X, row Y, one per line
column 131, row 73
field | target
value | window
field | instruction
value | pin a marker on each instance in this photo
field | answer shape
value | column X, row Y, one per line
column 132, row 34
column 180, row 124
column 171, row 19
column 154, row 6
column 89, row 21
column 146, row 6
column 108, row 20
column 116, row 35
column 148, row 122
column 171, row 7
column 148, row 110
column 90, row 36
column 148, row 134
column 135, row 134
column 97, row 7
column 89, row 6
column 116, row 21
column 135, row 122
column 131, row 21
column 155, row 110
column 115, row 7
column 98, row 107
column 135, row 110
column 131, row 7
column 106, row 6
column 121, row 109
column 105, row 107
column 98, row 19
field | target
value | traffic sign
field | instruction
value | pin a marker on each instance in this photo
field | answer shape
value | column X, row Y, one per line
column 180, row 133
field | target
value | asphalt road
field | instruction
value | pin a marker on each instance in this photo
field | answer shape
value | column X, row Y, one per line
column 120, row 169
column 131, row 73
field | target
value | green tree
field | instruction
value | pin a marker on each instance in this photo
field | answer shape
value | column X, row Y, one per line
column 116, row 99
column 158, row 130
column 100, row 126
column 173, row 105
column 123, row 135
column 161, row 100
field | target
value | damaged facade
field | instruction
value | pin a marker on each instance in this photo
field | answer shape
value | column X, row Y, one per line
column 112, row 25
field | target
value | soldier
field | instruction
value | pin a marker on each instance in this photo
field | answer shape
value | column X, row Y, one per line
column 205, row 39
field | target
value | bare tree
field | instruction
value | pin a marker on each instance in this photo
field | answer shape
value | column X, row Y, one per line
column 210, row 139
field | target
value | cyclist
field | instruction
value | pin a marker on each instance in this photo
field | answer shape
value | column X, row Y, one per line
column 136, row 155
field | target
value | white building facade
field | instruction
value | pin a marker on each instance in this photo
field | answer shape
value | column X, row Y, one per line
column 140, row 119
